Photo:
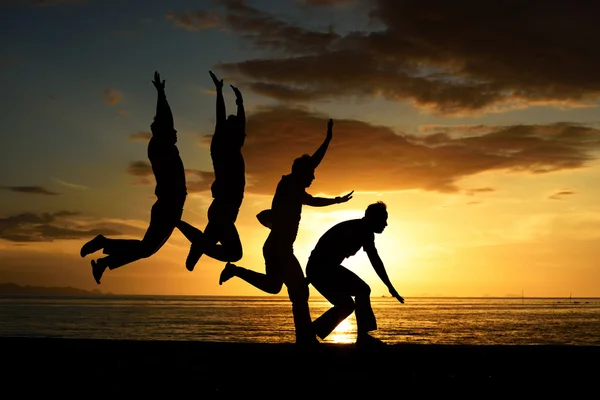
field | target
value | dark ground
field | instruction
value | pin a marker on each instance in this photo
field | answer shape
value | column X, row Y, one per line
column 77, row 368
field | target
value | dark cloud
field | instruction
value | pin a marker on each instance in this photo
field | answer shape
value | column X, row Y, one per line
column 140, row 137
column 140, row 169
column 472, row 192
column 197, row 180
column 448, row 57
column 61, row 225
column 29, row 189
column 560, row 195
column 327, row 3
column 194, row 21
column 111, row 96
column 366, row 157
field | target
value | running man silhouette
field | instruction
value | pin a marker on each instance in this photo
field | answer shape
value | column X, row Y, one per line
column 170, row 192
column 281, row 265
column 338, row 284
column 227, row 188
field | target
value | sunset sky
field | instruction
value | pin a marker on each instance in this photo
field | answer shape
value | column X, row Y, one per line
column 477, row 122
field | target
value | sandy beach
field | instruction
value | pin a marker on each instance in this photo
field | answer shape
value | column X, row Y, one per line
column 228, row 370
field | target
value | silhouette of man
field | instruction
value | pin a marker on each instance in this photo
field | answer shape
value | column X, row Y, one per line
column 281, row 265
column 338, row 284
column 170, row 193
column 227, row 188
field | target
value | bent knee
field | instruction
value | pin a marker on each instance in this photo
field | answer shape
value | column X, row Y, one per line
column 274, row 287
column 236, row 255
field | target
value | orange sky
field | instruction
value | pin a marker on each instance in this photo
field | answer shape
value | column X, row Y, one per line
column 482, row 140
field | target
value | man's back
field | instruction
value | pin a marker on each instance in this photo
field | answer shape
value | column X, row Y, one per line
column 228, row 165
column 168, row 169
column 342, row 241
column 287, row 208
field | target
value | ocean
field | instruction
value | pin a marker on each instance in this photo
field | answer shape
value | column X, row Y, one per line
column 480, row 321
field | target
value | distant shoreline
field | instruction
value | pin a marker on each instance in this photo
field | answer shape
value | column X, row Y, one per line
column 15, row 289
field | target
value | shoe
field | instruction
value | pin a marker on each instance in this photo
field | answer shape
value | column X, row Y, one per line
column 196, row 251
column 368, row 341
column 92, row 246
column 98, row 270
column 227, row 273
column 265, row 217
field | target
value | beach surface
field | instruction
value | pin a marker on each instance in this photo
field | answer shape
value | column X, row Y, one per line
column 75, row 368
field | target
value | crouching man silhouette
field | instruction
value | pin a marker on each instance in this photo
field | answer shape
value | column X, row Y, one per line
column 338, row 284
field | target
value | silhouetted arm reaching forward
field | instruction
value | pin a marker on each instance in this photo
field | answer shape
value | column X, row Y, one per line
column 317, row 157
column 241, row 113
column 325, row 201
column 164, row 117
column 221, row 113
column 377, row 264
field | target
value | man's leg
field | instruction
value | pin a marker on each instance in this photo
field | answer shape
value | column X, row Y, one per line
column 298, row 293
column 198, row 241
column 329, row 282
column 230, row 247
column 124, row 251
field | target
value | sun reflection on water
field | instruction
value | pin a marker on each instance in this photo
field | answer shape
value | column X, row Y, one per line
column 345, row 332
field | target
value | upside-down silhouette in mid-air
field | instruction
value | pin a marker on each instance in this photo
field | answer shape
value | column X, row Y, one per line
column 337, row 284
column 227, row 188
column 170, row 192
column 281, row 265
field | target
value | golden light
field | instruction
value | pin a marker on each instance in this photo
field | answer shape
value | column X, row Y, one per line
column 345, row 332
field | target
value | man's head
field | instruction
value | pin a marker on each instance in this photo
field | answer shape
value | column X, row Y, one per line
column 233, row 124
column 376, row 216
column 304, row 170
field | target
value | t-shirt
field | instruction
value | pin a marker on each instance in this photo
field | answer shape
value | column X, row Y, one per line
column 228, row 165
column 342, row 241
column 168, row 169
column 286, row 209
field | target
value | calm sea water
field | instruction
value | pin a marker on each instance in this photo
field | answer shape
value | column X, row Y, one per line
column 269, row 319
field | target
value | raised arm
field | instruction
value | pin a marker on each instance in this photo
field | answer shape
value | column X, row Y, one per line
column 379, row 268
column 239, row 100
column 221, row 113
column 163, row 119
column 325, row 201
column 317, row 157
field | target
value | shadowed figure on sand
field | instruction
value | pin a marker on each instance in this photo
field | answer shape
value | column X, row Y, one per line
column 281, row 265
column 227, row 188
column 170, row 192
column 338, row 284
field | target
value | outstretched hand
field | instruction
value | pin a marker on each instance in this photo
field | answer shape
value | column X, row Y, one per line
column 395, row 294
column 346, row 197
column 218, row 83
column 238, row 94
column 157, row 83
